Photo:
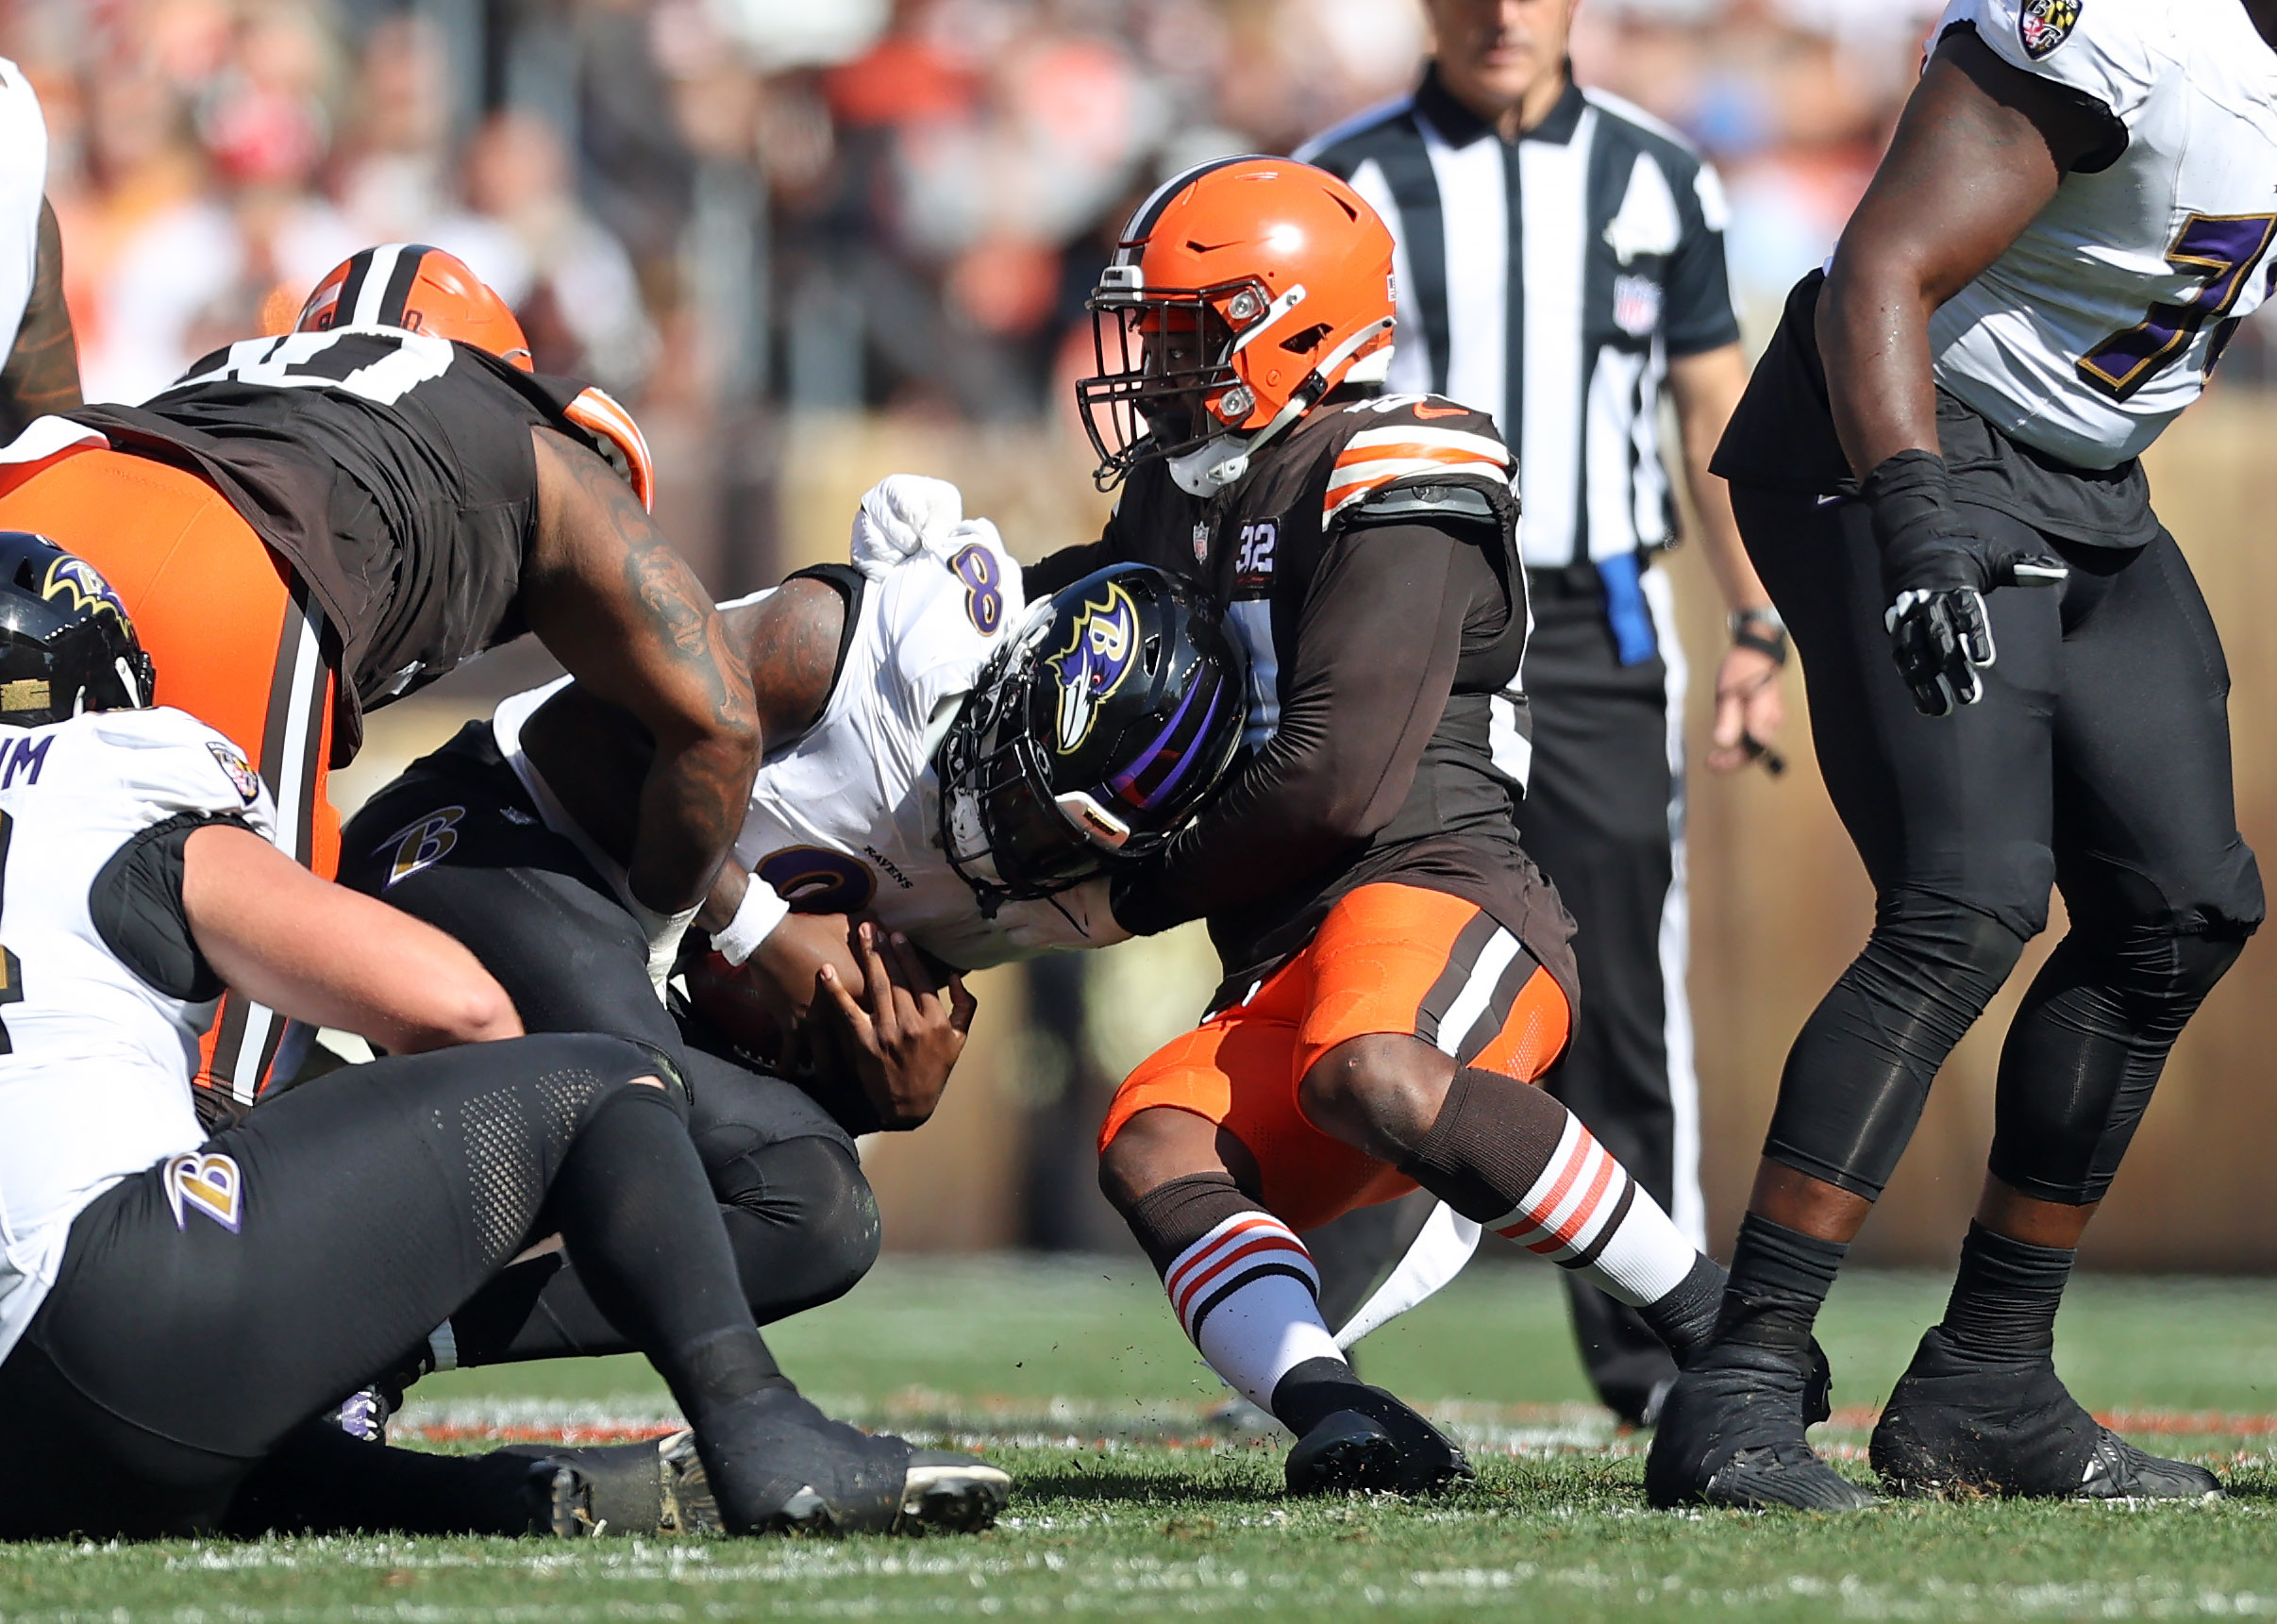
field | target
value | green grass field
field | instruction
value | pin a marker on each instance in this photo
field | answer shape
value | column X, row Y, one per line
column 1073, row 1376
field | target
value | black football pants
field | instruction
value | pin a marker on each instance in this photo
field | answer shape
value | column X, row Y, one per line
column 178, row 1354
column 799, row 1211
column 2098, row 762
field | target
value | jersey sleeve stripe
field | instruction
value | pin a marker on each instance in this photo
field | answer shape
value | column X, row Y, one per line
column 1415, row 434
column 597, row 413
column 1344, row 493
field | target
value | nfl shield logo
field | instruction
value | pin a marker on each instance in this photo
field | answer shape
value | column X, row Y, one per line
column 2044, row 25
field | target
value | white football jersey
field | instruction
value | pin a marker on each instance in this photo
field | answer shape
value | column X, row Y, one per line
column 2098, row 323
column 94, row 1077
column 846, row 817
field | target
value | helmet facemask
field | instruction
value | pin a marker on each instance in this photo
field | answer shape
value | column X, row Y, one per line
column 1167, row 379
column 1001, row 828
column 1095, row 733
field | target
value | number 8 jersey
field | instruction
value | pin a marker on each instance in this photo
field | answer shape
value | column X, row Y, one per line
column 2100, row 323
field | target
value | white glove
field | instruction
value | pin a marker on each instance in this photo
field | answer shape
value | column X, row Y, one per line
column 901, row 516
column 664, row 931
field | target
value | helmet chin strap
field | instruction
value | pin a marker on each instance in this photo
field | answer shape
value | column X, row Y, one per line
column 1223, row 458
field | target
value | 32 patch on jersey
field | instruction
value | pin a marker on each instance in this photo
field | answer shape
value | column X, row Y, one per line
column 2044, row 25
column 241, row 776
column 212, row 1184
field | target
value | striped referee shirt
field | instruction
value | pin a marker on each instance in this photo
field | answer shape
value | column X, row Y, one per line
column 1614, row 227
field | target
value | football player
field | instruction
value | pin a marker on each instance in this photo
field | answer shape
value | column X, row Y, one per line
column 2075, row 212
column 311, row 526
column 896, row 700
column 1397, row 970
column 175, row 1310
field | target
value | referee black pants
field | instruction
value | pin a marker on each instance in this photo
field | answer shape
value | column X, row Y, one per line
column 1603, row 816
column 2097, row 762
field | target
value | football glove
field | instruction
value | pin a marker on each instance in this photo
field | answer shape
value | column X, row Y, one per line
column 1937, row 572
column 901, row 516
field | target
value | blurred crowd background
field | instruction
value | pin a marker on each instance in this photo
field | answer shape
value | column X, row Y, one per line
column 808, row 204
column 811, row 242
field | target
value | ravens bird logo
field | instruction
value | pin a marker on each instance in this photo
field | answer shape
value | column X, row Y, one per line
column 1093, row 663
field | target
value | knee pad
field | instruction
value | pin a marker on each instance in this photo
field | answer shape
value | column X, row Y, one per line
column 1859, row 1071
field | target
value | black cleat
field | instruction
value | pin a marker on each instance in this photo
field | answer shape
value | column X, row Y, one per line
column 776, row 1465
column 1377, row 1444
column 1959, row 1426
column 655, row 1487
column 1732, row 1434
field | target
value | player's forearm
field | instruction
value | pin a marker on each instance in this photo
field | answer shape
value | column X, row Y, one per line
column 692, row 806
column 1873, row 336
column 332, row 957
column 1066, row 568
column 1375, row 661
column 1707, row 388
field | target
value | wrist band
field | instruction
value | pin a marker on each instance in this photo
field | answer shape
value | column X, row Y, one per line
column 755, row 919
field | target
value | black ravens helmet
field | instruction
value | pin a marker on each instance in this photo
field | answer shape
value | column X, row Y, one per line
column 1096, row 731
column 66, row 642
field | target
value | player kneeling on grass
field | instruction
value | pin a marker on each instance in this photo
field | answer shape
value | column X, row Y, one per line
column 174, row 1309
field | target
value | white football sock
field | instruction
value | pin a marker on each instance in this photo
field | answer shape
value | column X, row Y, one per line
column 1586, row 1214
column 1248, row 1296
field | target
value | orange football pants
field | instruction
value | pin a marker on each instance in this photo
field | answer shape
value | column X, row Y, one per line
column 238, row 642
column 1388, row 957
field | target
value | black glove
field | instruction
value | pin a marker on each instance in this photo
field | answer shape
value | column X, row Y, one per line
column 1936, row 572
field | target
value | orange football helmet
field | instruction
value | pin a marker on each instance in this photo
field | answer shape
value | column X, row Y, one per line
column 420, row 288
column 1241, row 293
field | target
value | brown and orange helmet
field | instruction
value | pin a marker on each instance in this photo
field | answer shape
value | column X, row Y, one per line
column 1242, row 291
column 420, row 288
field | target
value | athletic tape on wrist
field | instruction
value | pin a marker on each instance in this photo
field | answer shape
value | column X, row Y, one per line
column 1910, row 500
column 664, row 931
column 756, row 917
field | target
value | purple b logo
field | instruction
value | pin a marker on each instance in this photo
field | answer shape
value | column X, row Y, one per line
column 1093, row 663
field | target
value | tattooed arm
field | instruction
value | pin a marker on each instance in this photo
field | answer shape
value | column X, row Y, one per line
column 607, row 595
column 42, row 370
column 595, row 756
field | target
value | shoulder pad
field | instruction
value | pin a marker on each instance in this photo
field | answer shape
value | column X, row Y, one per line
column 1420, row 441
column 618, row 439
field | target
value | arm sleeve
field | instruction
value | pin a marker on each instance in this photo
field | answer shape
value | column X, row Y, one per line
column 1377, row 647
column 136, row 904
column 1048, row 574
column 1700, row 314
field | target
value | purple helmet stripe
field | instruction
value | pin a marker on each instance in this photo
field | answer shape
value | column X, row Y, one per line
column 1124, row 785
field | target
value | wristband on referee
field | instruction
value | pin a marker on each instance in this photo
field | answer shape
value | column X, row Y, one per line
column 1761, row 630
column 755, row 919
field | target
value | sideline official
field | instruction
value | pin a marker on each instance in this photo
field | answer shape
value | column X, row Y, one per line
column 1560, row 264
